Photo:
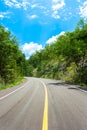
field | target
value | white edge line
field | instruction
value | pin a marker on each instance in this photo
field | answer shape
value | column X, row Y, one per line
column 12, row 92
column 83, row 90
column 78, row 87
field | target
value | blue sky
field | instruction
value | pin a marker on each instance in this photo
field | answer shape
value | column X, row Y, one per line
column 36, row 23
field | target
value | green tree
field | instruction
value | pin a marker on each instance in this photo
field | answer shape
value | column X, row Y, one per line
column 12, row 61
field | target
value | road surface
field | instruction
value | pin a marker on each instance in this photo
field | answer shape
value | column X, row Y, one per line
column 43, row 104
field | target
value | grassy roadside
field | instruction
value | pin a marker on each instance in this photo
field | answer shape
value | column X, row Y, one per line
column 83, row 86
column 17, row 82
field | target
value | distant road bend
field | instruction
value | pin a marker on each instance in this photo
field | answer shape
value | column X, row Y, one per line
column 43, row 104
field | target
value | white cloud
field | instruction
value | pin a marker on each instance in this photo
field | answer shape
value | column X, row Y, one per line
column 17, row 4
column 8, row 3
column 55, row 15
column 83, row 10
column 34, row 16
column 78, row 0
column 34, row 5
column 1, row 16
column 37, row 5
column 4, row 15
column 55, row 1
column 54, row 38
column 56, row 6
column 25, row 4
column 30, row 48
column 13, row 3
column 31, row 17
column 41, row 8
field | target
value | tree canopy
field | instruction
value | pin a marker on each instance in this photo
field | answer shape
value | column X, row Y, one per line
column 65, row 59
column 12, row 60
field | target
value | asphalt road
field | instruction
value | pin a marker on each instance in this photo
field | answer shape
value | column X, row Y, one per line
column 43, row 104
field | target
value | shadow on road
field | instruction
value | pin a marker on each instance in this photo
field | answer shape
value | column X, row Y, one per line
column 68, row 85
column 72, row 88
column 59, row 84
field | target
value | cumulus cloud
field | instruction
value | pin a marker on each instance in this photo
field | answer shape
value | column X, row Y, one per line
column 83, row 10
column 56, row 6
column 54, row 38
column 30, row 48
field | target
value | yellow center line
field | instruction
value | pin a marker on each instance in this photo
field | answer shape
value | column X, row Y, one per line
column 45, row 115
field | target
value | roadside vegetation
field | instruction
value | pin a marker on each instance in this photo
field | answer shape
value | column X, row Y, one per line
column 9, row 85
column 12, row 60
column 65, row 59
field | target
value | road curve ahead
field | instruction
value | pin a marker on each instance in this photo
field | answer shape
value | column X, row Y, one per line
column 43, row 104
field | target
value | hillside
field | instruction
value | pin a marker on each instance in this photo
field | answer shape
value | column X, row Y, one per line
column 65, row 59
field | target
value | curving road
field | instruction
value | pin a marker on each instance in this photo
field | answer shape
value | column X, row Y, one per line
column 43, row 104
